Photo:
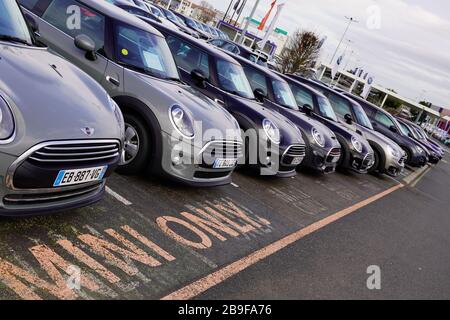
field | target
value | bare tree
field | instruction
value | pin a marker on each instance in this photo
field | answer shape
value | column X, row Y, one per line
column 300, row 53
column 206, row 12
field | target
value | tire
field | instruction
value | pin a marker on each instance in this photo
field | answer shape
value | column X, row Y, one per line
column 140, row 161
column 376, row 165
column 408, row 155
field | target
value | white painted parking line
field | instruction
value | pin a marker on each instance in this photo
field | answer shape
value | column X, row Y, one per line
column 117, row 196
column 234, row 185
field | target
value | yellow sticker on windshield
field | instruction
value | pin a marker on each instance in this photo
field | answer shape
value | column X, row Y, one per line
column 125, row 52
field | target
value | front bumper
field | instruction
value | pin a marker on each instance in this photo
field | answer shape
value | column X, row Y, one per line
column 361, row 163
column 29, row 189
column 418, row 161
column 322, row 160
column 394, row 166
column 192, row 170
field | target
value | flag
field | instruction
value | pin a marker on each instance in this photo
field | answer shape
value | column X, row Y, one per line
column 236, row 5
column 336, row 65
column 266, row 17
column 367, row 87
column 263, row 42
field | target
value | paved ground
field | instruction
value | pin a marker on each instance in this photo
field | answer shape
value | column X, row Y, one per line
column 148, row 238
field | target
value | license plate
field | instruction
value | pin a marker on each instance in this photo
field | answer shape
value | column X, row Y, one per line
column 297, row 161
column 78, row 176
column 224, row 163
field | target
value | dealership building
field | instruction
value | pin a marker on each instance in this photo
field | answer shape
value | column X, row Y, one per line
column 382, row 97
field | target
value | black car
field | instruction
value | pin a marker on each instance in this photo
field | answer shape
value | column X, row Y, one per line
column 323, row 149
column 193, row 25
column 222, row 79
column 134, row 9
column 239, row 50
column 385, row 123
column 357, row 155
column 388, row 156
column 170, row 16
column 409, row 127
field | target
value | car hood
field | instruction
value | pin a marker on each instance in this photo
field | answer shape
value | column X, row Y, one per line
column 52, row 99
column 207, row 114
column 379, row 138
column 256, row 112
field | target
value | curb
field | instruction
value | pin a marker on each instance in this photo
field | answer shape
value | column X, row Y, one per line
column 414, row 177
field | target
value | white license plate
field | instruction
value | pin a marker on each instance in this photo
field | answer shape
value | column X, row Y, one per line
column 78, row 176
column 297, row 161
column 224, row 163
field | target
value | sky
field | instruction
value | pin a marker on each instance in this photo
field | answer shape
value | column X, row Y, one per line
column 404, row 44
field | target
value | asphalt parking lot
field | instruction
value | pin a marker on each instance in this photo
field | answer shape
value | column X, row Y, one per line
column 147, row 239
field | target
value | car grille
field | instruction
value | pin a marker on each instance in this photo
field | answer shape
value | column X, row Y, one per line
column 402, row 160
column 22, row 199
column 75, row 153
column 296, row 151
column 220, row 150
column 334, row 155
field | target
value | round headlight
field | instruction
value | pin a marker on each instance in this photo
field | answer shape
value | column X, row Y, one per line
column 181, row 121
column 318, row 137
column 6, row 120
column 394, row 152
column 357, row 145
column 271, row 130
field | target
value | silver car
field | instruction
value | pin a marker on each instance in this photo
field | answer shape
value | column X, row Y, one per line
column 168, row 123
column 60, row 132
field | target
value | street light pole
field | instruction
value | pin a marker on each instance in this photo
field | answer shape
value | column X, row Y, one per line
column 350, row 21
column 247, row 24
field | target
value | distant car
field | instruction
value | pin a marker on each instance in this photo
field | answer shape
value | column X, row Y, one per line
column 193, row 25
column 447, row 142
column 323, row 149
column 166, row 121
column 222, row 78
column 357, row 154
column 409, row 127
column 383, row 122
column 239, row 50
column 389, row 158
column 61, row 135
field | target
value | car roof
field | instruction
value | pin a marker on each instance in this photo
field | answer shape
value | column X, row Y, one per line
column 116, row 13
column 201, row 44
column 306, row 86
column 262, row 69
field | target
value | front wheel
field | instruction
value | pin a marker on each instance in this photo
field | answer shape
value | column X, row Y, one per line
column 376, row 163
column 136, row 150
column 408, row 155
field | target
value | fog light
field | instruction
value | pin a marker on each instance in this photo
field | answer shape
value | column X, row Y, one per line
column 176, row 161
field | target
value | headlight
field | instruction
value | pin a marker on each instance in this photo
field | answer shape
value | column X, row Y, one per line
column 395, row 153
column 6, row 120
column 357, row 145
column 181, row 121
column 118, row 114
column 419, row 149
column 318, row 137
column 271, row 130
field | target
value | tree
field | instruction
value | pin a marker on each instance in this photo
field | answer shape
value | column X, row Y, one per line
column 426, row 104
column 206, row 12
column 300, row 53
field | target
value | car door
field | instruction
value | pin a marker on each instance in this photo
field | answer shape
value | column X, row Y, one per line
column 63, row 20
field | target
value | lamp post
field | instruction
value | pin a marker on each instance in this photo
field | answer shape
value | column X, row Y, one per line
column 350, row 21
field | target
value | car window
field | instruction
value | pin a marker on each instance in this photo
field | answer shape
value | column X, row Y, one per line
column 188, row 57
column 283, row 94
column 383, row 119
column 29, row 4
column 91, row 23
column 232, row 79
column 217, row 42
column 325, row 108
column 339, row 104
column 257, row 80
column 302, row 96
column 12, row 23
column 230, row 47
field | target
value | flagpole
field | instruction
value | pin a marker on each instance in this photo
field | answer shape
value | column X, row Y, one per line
column 240, row 12
column 271, row 28
column 247, row 24
column 350, row 21
column 228, row 10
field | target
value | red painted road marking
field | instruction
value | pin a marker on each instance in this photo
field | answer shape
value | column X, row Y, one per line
column 194, row 289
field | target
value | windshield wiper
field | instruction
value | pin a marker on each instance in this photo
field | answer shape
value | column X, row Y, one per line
column 9, row 38
column 175, row 79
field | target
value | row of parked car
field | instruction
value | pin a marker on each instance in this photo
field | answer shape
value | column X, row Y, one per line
column 87, row 87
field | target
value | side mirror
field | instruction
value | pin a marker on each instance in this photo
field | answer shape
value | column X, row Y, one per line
column 410, row 135
column 308, row 109
column 83, row 42
column 199, row 78
column 32, row 23
column 348, row 118
column 393, row 129
column 260, row 95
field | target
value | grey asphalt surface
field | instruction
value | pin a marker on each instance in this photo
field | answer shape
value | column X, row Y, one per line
column 406, row 234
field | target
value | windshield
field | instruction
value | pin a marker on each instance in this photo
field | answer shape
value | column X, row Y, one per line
column 12, row 23
column 325, row 108
column 232, row 79
column 403, row 129
column 283, row 94
column 144, row 52
column 361, row 116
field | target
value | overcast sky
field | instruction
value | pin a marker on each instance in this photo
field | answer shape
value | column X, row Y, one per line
column 409, row 53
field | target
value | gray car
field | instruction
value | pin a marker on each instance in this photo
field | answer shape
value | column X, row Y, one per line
column 60, row 132
column 171, row 129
